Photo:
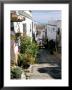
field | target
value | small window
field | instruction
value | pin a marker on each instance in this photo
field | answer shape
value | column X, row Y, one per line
column 12, row 26
column 24, row 28
column 30, row 27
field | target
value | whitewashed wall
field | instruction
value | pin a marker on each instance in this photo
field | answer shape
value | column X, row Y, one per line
column 51, row 34
column 16, row 27
column 28, row 23
column 34, row 28
column 28, row 27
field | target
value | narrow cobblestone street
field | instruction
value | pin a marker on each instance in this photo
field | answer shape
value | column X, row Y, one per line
column 48, row 67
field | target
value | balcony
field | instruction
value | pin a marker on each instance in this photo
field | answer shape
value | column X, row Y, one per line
column 17, row 18
column 27, row 14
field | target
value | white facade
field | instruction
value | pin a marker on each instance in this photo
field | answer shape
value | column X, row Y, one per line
column 42, row 33
column 52, row 28
column 34, row 29
column 28, row 23
column 18, row 26
column 51, row 32
column 24, row 26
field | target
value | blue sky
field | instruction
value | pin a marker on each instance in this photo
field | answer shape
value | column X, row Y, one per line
column 43, row 16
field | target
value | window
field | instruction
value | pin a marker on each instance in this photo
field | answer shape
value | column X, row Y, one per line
column 24, row 28
column 12, row 26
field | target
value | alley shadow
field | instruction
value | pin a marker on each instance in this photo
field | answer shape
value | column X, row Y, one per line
column 44, row 56
column 51, row 62
column 54, row 72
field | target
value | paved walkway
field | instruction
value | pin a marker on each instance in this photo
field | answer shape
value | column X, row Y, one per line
column 48, row 67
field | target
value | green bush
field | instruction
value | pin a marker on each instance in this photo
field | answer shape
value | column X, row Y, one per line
column 29, row 58
column 29, row 49
column 21, row 59
column 25, row 42
column 32, row 49
column 16, row 72
column 24, row 60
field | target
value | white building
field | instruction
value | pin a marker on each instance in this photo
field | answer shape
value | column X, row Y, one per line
column 52, row 28
column 40, row 33
column 34, row 24
column 23, row 24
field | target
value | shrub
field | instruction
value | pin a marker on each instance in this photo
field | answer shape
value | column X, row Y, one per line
column 23, row 61
column 25, row 42
column 16, row 72
column 29, row 49
column 32, row 49
column 29, row 58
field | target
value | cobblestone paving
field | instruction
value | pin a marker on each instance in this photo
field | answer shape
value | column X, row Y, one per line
column 48, row 67
column 46, row 57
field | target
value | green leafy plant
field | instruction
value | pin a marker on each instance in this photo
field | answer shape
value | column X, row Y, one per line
column 32, row 49
column 23, row 61
column 16, row 72
column 29, row 58
column 25, row 42
column 29, row 49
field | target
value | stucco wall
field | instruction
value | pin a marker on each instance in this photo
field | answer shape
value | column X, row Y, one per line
column 51, row 32
column 14, row 52
column 28, row 26
column 20, row 26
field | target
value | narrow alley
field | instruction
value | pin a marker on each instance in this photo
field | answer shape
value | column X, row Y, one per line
column 35, row 44
column 48, row 67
